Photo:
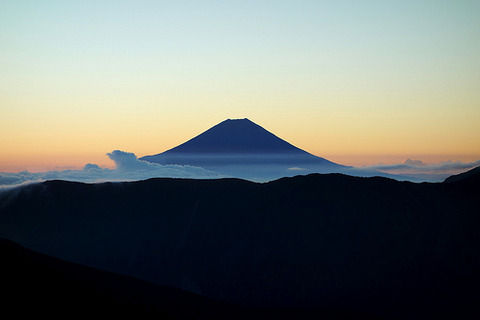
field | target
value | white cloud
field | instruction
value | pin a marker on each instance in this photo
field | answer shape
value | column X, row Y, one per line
column 417, row 163
column 417, row 167
column 296, row 169
column 127, row 168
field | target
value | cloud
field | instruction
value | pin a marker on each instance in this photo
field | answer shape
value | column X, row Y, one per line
column 125, row 161
column 127, row 168
column 417, row 163
column 413, row 170
column 417, row 166
column 296, row 169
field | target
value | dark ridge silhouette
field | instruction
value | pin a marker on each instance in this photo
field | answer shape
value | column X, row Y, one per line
column 36, row 284
column 239, row 147
column 331, row 242
column 471, row 176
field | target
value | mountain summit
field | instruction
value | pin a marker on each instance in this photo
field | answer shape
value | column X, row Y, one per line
column 239, row 148
column 236, row 136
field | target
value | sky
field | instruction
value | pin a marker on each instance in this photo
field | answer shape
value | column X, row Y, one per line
column 356, row 82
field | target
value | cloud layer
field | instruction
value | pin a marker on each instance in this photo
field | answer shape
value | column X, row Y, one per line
column 127, row 168
column 417, row 166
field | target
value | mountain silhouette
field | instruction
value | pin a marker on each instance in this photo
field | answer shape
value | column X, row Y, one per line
column 237, row 136
column 239, row 147
column 37, row 284
column 363, row 245
column 470, row 177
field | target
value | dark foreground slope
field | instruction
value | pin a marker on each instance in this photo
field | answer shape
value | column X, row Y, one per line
column 376, row 246
column 469, row 179
column 35, row 283
column 39, row 285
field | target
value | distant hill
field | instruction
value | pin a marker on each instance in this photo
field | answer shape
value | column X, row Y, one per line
column 359, row 245
column 239, row 147
column 471, row 176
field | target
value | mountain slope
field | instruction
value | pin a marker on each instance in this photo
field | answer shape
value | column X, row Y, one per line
column 379, row 246
column 236, row 136
column 239, row 147
column 470, row 177
column 49, row 286
column 36, row 284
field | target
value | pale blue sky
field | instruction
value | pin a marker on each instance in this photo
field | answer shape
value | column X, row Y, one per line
column 343, row 71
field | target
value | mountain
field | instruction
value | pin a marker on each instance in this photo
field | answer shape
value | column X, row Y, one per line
column 240, row 147
column 471, row 176
column 237, row 136
column 37, row 284
column 360, row 245
column 33, row 282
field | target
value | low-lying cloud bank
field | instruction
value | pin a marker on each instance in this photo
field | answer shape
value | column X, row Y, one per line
column 417, row 170
column 417, row 166
column 410, row 170
column 127, row 168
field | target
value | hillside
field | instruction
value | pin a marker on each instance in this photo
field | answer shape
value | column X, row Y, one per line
column 367, row 245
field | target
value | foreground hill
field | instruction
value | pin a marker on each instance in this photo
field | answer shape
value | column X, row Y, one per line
column 471, row 178
column 362, row 245
column 36, row 284
column 33, row 282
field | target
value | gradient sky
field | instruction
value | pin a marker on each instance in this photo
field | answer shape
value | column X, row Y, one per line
column 357, row 82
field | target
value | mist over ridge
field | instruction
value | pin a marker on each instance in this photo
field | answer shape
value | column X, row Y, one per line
column 127, row 168
column 241, row 148
column 236, row 148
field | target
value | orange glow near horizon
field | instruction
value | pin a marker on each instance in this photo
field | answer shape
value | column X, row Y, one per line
column 71, row 147
column 48, row 163
column 72, row 140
